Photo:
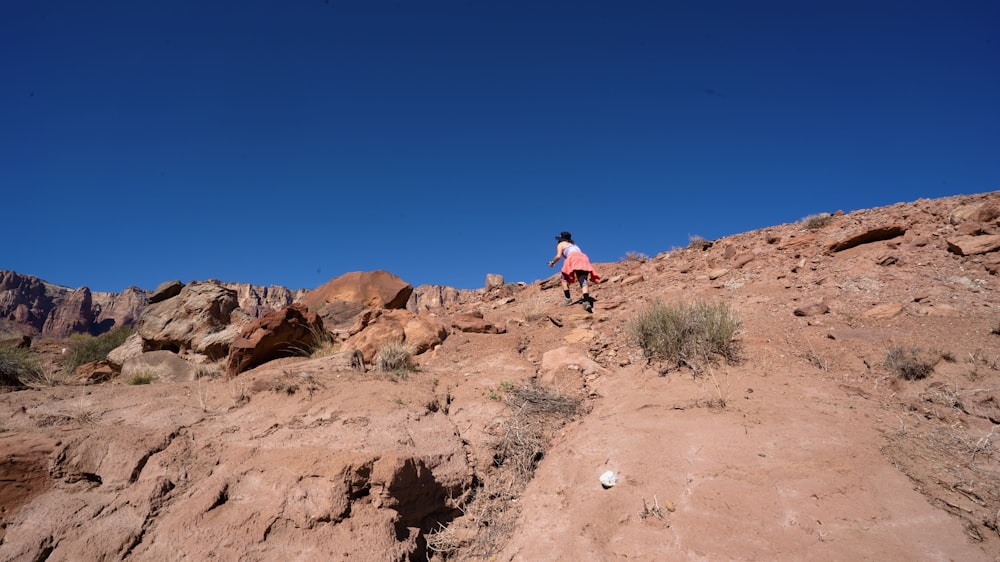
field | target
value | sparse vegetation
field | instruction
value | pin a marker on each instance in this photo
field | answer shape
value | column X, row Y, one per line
column 206, row 372
column 533, row 309
column 394, row 357
column 819, row 220
column 85, row 348
column 687, row 334
column 696, row 242
column 144, row 377
column 489, row 519
column 635, row 256
column 19, row 367
column 321, row 344
column 908, row 363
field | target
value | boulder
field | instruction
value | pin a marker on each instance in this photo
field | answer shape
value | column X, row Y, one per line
column 340, row 315
column 373, row 289
column 166, row 290
column 164, row 365
column 493, row 280
column 475, row 323
column 376, row 328
column 982, row 212
column 866, row 236
column 94, row 372
column 131, row 347
column 200, row 318
column 814, row 309
column 287, row 332
column 882, row 311
column 971, row 245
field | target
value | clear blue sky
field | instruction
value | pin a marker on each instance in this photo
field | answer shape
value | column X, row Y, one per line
column 289, row 142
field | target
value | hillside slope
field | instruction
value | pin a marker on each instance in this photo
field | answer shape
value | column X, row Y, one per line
column 811, row 446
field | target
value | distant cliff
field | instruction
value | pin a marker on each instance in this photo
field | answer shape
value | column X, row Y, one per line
column 34, row 307
column 31, row 306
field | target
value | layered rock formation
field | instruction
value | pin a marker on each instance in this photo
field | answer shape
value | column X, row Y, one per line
column 31, row 306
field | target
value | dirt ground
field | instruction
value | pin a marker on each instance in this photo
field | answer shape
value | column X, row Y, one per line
column 811, row 446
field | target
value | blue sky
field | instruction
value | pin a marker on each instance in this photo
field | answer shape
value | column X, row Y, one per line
column 289, row 142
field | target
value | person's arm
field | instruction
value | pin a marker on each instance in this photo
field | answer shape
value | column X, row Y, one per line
column 555, row 260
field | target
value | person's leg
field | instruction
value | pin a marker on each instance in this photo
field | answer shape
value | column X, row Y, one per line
column 584, row 276
column 565, row 287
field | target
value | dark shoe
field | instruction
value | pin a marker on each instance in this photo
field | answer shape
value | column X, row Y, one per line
column 587, row 306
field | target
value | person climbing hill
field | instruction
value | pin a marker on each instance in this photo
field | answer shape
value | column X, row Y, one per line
column 576, row 268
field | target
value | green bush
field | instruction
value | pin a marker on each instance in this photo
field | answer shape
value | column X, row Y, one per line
column 687, row 334
column 84, row 348
column 394, row 357
column 19, row 367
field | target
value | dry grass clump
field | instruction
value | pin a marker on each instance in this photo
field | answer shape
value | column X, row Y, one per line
column 141, row 378
column 533, row 309
column 319, row 343
column 394, row 357
column 632, row 256
column 687, row 333
column 19, row 367
column 819, row 220
column 696, row 242
column 909, row 364
column 488, row 520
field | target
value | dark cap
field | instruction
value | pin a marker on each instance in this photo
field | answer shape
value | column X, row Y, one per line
column 564, row 236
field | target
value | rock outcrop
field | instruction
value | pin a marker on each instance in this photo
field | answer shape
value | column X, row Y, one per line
column 202, row 319
column 32, row 306
column 373, row 289
column 293, row 330
column 428, row 297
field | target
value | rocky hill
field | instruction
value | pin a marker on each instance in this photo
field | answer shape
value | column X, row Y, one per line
column 858, row 421
column 33, row 307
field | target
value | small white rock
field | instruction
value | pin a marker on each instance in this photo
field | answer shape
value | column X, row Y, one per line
column 609, row 479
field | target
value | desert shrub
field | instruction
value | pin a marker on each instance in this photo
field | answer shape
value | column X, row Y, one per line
column 819, row 220
column 207, row 372
column 635, row 256
column 533, row 309
column 687, row 333
column 84, row 348
column 19, row 367
column 696, row 242
column 141, row 378
column 908, row 363
column 319, row 343
column 324, row 345
column 394, row 357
